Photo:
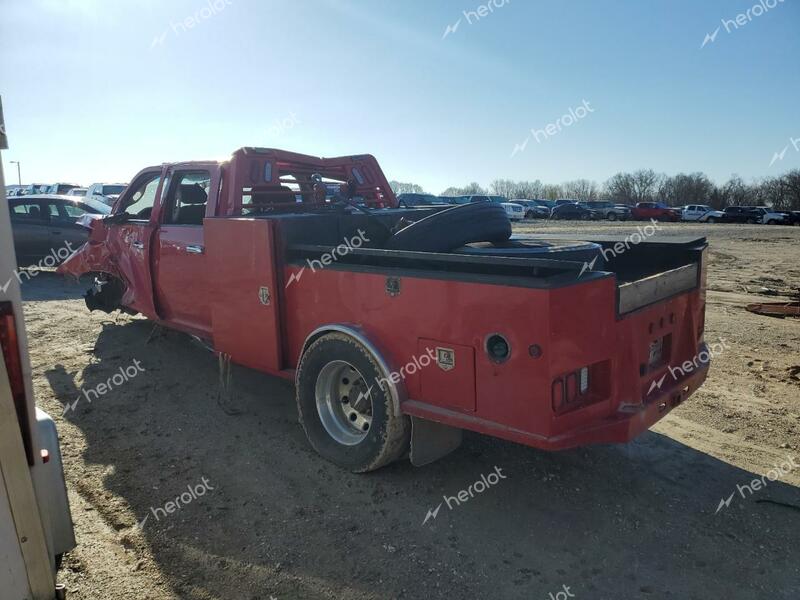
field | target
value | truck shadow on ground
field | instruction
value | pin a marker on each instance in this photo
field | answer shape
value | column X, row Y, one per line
column 640, row 520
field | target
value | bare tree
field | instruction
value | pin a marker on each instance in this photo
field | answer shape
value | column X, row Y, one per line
column 620, row 188
column 639, row 186
column 473, row 189
column 580, row 189
column 516, row 189
column 529, row 189
column 552, row 192
column 405, row 188
column 736, row 192
column 503, row 187
column 683, row 189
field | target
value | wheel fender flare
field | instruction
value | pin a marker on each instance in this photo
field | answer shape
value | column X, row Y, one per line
column 397, row 391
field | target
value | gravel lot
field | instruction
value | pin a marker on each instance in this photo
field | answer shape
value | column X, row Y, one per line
column 269, row 519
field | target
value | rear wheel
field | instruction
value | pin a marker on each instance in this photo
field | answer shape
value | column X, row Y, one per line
column 712, row 219
column 611, row 216
column 771, row 222
column 348, row 416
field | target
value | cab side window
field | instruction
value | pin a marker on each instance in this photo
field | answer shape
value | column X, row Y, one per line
column 187, row 198
column 139, row 205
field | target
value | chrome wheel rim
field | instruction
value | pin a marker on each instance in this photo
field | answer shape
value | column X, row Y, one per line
column 344, row 402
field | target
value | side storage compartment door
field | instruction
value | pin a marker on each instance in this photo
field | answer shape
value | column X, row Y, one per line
column 244, row 304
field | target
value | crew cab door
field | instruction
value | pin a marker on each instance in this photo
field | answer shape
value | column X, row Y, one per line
column 182, row 288
column 129, row 240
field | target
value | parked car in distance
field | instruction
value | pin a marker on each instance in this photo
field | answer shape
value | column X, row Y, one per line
column 412, row 200
column 61, row 188
column 739, row 214
column 36, row 188
column 548, row 204
column 791, row 218
column 608, row 210
column 644, row 211
column 78, row 191
column 560, row 202
column 514, row 211
column 532, row 209
column 44, row 223
column 464, row 199
column 766, row 216
column 105, row 192
column 573, row 212
column 701, row 212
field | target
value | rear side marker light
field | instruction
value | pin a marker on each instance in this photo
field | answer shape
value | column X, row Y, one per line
column 584, row 380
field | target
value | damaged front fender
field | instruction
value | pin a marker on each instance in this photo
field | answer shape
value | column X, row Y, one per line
column 93, row 256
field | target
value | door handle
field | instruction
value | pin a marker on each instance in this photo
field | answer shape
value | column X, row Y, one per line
column 194, row 249
column 138, row 245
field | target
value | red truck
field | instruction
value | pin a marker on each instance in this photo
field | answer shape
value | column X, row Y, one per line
column 645, row 211
column 403, row 327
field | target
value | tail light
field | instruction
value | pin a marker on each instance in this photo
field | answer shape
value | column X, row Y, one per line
column 9, row 342
column 581, row 387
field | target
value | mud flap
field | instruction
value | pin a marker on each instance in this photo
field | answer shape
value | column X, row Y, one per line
column 431, row 441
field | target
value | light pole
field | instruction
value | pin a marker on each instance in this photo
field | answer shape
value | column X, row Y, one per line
column 19, row 177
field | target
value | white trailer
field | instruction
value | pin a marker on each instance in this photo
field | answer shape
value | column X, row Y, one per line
column 35, row 520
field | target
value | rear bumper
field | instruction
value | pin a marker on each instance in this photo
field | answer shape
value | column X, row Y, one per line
column 625, row 425
column 631, row 422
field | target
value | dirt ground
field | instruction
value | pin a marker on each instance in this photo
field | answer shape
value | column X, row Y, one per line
column 269, row 519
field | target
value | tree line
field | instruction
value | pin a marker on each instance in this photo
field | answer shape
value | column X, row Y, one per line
column 645, row 185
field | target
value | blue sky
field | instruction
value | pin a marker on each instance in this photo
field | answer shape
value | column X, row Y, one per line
column 95, row 90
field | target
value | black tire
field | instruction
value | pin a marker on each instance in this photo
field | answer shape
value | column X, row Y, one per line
column 612, row 216
column 388, row 436
column 771, row 222
column 751, row 221
column 453, row 228
column 577, row 251
column 711, row 220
